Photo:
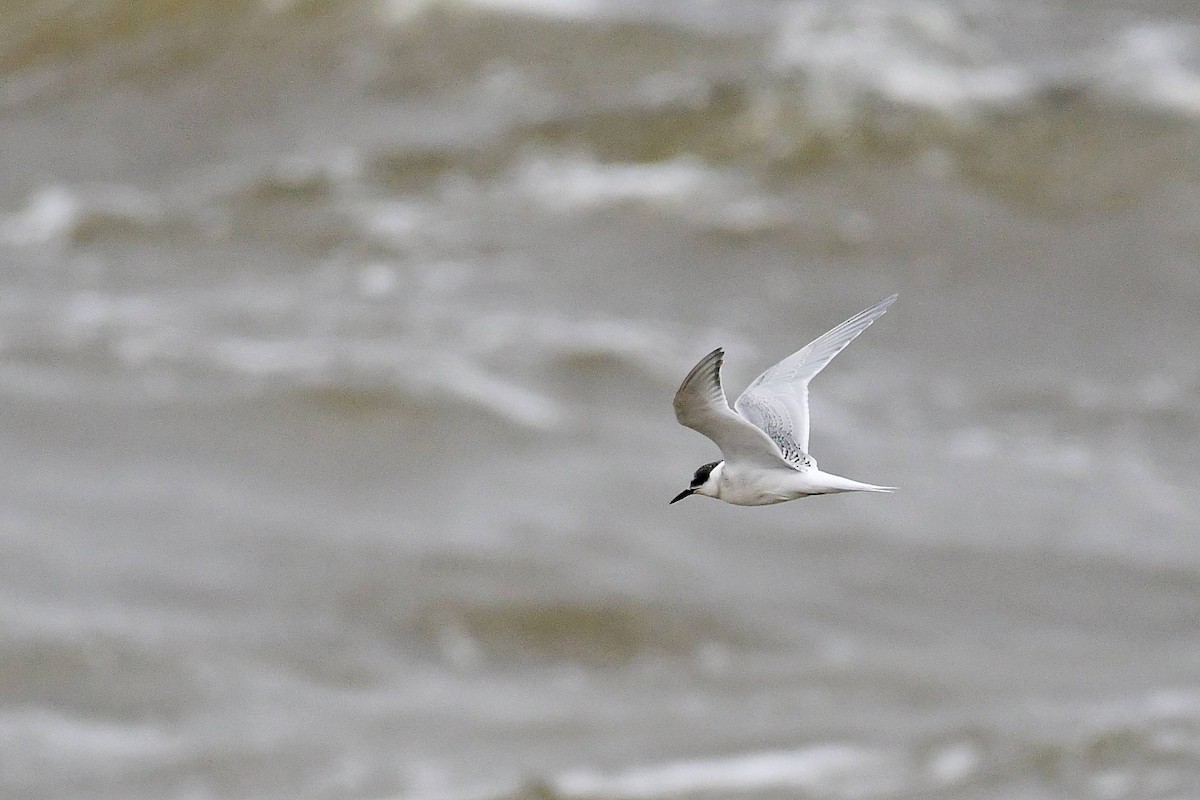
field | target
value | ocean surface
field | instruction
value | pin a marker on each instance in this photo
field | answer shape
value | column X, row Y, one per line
column 337, row 348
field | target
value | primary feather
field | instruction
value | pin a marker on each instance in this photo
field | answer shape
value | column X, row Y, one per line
column 776, row 401
column 700, row 404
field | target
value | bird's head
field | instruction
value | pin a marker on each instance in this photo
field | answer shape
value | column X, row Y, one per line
column 703, row 482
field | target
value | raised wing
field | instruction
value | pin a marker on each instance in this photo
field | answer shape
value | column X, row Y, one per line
column 777, row 401
column 700, row 404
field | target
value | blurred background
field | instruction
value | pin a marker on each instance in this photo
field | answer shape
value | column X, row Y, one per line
column 337, row 347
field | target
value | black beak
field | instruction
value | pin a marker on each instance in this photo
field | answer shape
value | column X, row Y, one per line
column 682, row 495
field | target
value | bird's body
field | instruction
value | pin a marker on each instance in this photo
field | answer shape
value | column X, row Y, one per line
column 764, row 437
column 757, row 486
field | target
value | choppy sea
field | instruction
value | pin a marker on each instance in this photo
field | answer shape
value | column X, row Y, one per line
column 337, row 346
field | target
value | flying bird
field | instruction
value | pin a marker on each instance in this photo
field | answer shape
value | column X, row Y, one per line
column 764, row 437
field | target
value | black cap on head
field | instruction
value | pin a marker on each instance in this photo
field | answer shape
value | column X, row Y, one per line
column 702, row 474
column 697, row 481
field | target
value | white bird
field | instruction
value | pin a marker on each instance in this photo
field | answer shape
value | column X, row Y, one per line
column 765, row 440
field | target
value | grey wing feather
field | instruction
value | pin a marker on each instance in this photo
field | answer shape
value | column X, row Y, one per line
column 777, row 400
column 773, row 418
column 700, row 404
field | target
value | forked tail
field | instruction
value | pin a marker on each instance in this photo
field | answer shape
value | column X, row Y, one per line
column 836, row 483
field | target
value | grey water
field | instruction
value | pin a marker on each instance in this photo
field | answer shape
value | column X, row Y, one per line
column 337, row 345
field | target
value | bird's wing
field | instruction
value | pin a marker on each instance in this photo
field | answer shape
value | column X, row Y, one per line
column 700, row 404
column 777, row 400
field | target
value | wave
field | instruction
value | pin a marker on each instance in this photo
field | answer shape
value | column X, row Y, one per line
column 410, row 333
column 1133, row 759
column 1013, row 101
column 832, row 65
column 58, row 214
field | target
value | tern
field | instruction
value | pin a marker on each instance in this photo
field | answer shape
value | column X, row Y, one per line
column 764, row 437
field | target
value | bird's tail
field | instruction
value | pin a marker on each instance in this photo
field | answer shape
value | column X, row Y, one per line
column 836, row 483
column 855, row 486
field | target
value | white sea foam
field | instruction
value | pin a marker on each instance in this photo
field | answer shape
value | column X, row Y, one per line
column 1157, row 66
column 49, row 214
column 953, row 763
column 260, row 357
column 927, row 55
column 830, row 769
column 575, row 184
column 568, row 183
column 401, row 12
column 55, row 213
column 558, row 9
column 504, row 398
column 827, row 770
column 919, row 54
column 419, row 373
column 45, row 737
column 398, row 222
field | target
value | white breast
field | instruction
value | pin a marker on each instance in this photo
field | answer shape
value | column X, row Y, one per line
column 755, row 486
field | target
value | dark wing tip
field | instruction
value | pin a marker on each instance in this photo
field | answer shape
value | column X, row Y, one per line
column 710, row 363
column 708, row 368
